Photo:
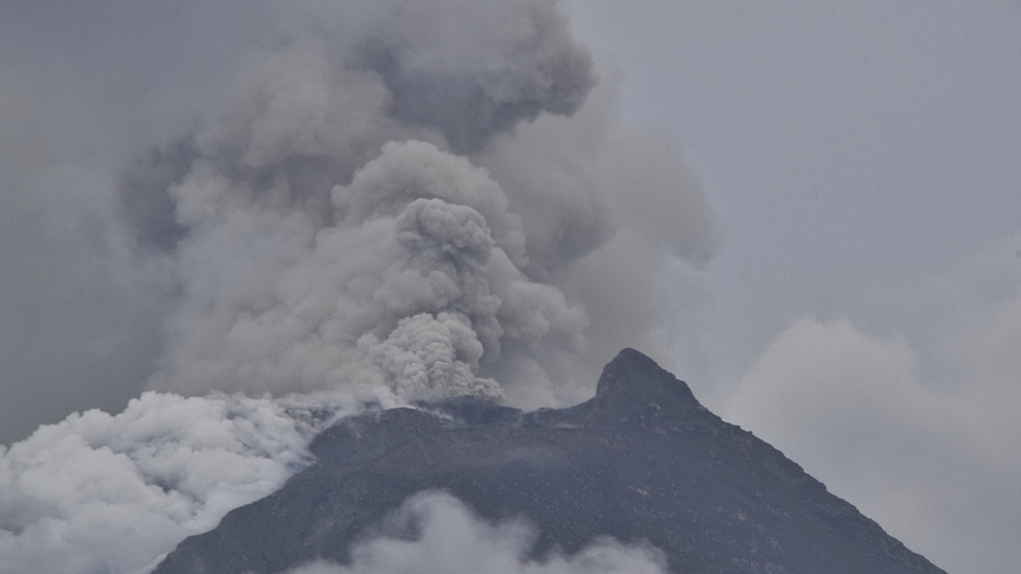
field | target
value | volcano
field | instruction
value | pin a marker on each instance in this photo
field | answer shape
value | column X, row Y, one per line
column 643, row 462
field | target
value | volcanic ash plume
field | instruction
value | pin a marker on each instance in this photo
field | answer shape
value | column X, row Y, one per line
column 330, row 229
column 397, row 200
column 417, row 279
column 313, row 254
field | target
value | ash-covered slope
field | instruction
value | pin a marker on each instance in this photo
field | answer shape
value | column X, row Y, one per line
column 643, row 460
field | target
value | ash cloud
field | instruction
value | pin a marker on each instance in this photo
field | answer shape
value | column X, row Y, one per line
column 473, row 69
column 274, row 303
column 270, row 247
column 253, row 248
column 367, row 210
column 389, row 201
column 145, row 206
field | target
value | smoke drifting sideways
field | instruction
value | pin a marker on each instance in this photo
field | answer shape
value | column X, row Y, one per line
column 401, row 201
column 447, row 538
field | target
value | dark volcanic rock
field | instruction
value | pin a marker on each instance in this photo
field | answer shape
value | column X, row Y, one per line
column 642, row 460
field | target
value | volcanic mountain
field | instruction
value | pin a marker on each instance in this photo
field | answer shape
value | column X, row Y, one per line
column 641, row 462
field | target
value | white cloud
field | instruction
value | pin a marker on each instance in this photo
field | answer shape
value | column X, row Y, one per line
column 933, row 459
column 99, row 493
column 452, row 540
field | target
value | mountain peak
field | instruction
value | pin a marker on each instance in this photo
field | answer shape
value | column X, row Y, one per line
column 633, row 389
column 632, row 371
column 641, row 462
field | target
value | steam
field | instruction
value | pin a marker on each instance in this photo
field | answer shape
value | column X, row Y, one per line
column 451, row 539
column 394, row 201
column 102, row 493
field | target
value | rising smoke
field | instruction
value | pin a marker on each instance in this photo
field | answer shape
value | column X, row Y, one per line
column 412, row 199
column 336, row 227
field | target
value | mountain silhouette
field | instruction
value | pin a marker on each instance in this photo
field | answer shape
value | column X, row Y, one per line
column 642, row 461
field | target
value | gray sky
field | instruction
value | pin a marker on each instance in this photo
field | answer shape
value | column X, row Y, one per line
column 863, row 312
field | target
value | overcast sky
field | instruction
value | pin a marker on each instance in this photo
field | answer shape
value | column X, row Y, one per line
column 863, row 313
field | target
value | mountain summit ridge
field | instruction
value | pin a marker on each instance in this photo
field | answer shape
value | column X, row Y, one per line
column 632, row 382
column 642, row 461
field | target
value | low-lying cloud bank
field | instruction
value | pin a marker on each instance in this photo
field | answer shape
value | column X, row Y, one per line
column 916, row 431
column 102, row 493
column 447, row 538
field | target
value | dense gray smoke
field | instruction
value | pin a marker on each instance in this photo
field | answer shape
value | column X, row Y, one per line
column 380, row 202
column 334, row 226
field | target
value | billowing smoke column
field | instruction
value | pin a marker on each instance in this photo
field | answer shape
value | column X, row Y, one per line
column 397, row 201
column 416, row 279
column 335, row 226
column 326, row 233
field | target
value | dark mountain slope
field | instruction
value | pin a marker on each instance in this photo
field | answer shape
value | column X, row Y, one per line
column 643, row 460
